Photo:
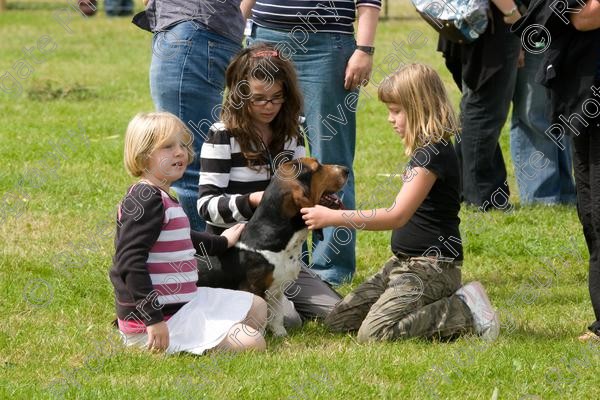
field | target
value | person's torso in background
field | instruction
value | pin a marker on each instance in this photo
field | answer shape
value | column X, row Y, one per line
column 222, row 17
column 312, row 16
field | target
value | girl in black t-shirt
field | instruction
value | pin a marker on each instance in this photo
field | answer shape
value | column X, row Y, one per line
column 418, row 291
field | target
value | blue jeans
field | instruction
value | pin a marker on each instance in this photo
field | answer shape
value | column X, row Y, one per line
column 187, row 78
column 320, row 60
column 543, row 167
column 118, row 8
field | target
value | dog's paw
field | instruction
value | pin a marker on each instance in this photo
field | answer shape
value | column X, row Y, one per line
column 278, row 331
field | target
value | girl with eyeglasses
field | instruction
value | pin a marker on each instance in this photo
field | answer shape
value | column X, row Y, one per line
column 259, row 129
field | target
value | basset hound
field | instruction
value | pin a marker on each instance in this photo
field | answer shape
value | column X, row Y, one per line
column 266, row 258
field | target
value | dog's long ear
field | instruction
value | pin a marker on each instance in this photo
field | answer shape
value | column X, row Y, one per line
column 316, row 194
column 294, row 200
column 300, row 198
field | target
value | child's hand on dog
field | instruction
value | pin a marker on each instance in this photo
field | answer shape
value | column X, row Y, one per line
column 233, row 234
column 255, row 198
column 316, row 217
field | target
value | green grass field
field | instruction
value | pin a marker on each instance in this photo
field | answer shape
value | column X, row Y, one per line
column 76, row 82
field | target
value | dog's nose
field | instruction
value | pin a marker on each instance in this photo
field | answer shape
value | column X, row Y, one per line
column 345, row 170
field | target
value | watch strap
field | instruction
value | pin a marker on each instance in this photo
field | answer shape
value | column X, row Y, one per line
column 370, row 50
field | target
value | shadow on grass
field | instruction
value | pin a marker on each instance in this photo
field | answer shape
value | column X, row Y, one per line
column 34, row 5
column 49, row 90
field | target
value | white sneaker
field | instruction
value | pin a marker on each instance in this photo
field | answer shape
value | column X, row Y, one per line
column 485, row 318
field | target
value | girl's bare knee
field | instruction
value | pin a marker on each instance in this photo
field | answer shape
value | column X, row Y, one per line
column 242, row 337
column 257, row 315
column 257, row 342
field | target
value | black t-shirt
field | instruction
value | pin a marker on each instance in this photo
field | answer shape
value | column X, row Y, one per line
column 433, row 229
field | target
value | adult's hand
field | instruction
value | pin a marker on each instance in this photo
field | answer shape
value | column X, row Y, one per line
column 588, row 18
column 358, row 70
column 511, row 19
column 360, row 64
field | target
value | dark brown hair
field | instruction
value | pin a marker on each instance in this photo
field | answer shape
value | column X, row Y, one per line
column 262, row 62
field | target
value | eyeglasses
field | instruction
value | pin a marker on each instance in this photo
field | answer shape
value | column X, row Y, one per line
column 263, row 102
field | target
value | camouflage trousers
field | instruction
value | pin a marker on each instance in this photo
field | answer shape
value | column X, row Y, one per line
column 408, row 297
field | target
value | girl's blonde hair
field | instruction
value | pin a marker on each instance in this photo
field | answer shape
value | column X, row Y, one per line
column 148, row 131
column 419, row 91
column 263, row 62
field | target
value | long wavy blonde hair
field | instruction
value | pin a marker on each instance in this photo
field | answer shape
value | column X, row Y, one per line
column 419, row 91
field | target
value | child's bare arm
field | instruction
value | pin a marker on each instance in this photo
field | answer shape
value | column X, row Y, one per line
column 407, row 201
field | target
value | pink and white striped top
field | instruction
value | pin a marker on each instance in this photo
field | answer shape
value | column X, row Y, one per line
column 171, row 264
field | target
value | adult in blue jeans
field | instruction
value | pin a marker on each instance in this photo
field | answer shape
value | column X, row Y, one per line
column 331, row 64
column 194, row 40
column 543, row 163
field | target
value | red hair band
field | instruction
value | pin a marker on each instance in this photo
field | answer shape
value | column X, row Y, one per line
column 265, row 53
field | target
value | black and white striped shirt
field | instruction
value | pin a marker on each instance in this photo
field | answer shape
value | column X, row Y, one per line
column 226, row 181
column 334, row 16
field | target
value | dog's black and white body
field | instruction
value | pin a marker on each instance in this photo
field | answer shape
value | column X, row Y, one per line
column 266, row 258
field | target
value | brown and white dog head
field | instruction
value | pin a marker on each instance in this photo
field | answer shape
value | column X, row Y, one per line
column 304, row 182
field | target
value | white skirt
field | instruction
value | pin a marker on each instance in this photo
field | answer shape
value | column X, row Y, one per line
column 202, row 323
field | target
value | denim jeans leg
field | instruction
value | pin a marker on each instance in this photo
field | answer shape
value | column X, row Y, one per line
column 543, row 168
column 483, row 113
column 118, row 8
column 187, row 78
column 331, row 129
